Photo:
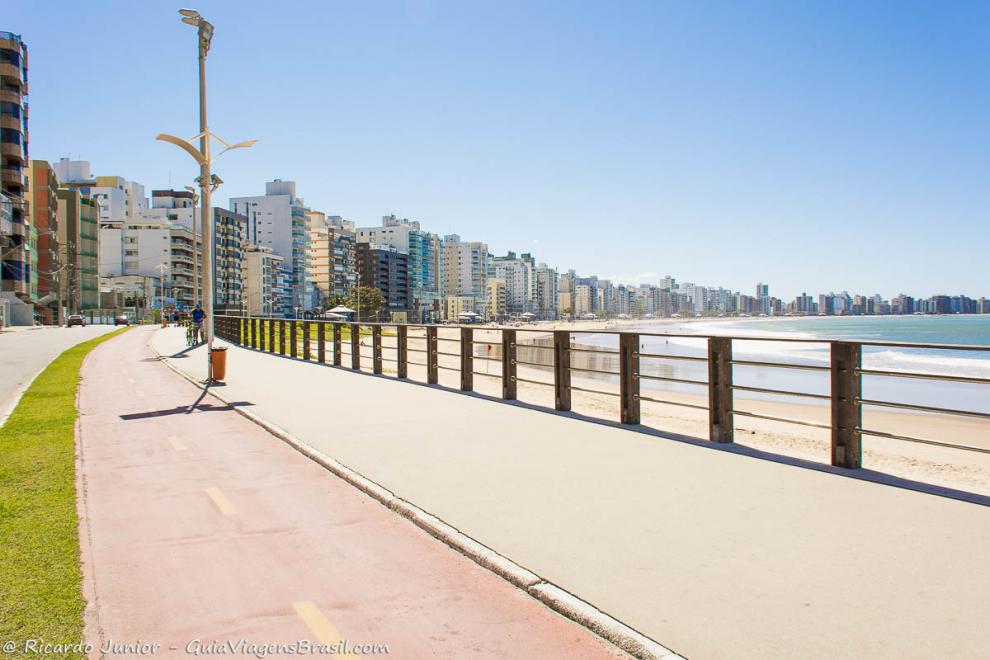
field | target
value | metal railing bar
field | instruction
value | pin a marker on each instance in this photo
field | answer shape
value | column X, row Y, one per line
column 457, row 341
column 686, row 381
column 482, row 373
column 440, row 366
column 534, row 364
column 488, row 359
column 533, row 382
column 591, row 391
column 450, row 354
column 417, row 350
column 661, row 356
column 596, row 371
column 929, row 409
column 544, row 348
column 591, row 350
column 422, row 364
column 910, row 374
column 672, row 403
column 764, row 390
column 895, row 436
column 786, row 420
column 781, row 365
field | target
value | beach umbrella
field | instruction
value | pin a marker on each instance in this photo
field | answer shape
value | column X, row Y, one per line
column 341, row 309
column 528, row 314
column 331, row 315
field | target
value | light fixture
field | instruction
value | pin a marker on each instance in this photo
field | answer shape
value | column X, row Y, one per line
column 189, row 13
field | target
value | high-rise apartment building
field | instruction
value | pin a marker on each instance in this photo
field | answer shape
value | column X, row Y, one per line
column 519, row 274
column 78, row 245
column 385, row 268
column 497, row 309
column 422, row 249
column 547, row 292
column 17, row 234
column 229, row 245
column 262, row 295
column 44, row 220
column 278, row 220
column 465, row 274
column 332, row 258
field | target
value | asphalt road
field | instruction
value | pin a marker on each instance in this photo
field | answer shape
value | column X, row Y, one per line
column 24, row 353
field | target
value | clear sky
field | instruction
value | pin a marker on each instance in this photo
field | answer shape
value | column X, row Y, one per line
column 811, row 145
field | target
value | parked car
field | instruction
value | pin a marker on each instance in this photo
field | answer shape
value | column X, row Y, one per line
column 121, row 320
column 76, row 319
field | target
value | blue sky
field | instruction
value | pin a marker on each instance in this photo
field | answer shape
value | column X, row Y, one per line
column 811, row 145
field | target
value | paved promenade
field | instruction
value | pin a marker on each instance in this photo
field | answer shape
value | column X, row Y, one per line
column 712, row 553
column 25, row 352
column 199, row 525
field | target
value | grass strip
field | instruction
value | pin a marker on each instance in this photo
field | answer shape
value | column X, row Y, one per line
column 41, row 584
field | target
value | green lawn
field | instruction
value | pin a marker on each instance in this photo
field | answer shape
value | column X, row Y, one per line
column 40, row 574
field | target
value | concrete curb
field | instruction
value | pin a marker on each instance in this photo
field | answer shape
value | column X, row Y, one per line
column 554, row 597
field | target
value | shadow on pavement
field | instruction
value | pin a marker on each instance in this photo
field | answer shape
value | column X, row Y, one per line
column 197, row 405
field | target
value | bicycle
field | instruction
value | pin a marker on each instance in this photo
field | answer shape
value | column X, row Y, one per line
column 192, row 334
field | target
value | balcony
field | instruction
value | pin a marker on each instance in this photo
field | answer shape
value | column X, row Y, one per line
column 12, row 150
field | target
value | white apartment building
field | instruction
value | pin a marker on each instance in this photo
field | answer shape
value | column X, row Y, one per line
column 520, row 281
column 118, row 198
column 547, row 292
column 465, row 271
column 262, row 292
column 582, row 300
column 278, row 220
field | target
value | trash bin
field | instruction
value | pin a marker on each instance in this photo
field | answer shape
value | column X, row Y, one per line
column 218, row 362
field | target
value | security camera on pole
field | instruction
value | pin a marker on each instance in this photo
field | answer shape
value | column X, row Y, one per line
column 208, row 182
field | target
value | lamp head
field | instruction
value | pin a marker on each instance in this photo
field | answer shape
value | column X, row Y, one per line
column 191, row 21
column 189, row 13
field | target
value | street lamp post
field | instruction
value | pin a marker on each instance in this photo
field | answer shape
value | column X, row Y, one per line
column 208, row 182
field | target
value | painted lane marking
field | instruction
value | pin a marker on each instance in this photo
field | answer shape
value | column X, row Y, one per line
column 176, row 443
column 226, row 508
column 324, row 631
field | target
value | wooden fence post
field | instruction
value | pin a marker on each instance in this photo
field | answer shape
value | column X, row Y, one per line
column 321, row 342
column 376, row 348
column 629, row 377
column 467, row 359
column 402, row 350
column 508, row 364
column 562, row 369
column 432, row 373
column 720, row 422
column 847, row 411
column 338, row 349
column 355, row 346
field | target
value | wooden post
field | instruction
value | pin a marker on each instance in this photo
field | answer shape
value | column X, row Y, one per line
column 402, row 350
column 281, row 337
column 467, row 359
column 271, row 335
column 355, row 346
column 305, row 331
column 629, row 377
column 261, row 333
column 720, row 422
column 321, row 342
column 508, row 364
column 562, row 369
column 293, row 349
column 376, row 348
column 847, row 411
column 338, row 350
column 432, row 373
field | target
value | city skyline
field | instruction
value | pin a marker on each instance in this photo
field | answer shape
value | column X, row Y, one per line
column 841, row 164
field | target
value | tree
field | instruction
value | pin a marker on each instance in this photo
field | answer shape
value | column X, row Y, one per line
column 333, row 301
column 366, row 300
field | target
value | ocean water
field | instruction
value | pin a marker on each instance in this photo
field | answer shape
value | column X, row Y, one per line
column 684, row 340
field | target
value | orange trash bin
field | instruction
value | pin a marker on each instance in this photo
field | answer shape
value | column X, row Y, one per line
column 218, row 362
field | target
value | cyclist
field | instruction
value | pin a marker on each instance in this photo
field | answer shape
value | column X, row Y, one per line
column 197, row 318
